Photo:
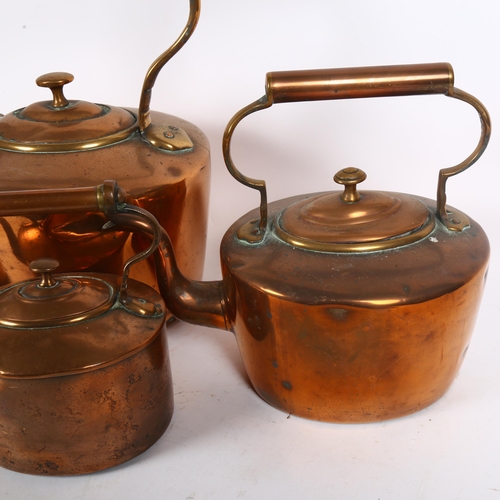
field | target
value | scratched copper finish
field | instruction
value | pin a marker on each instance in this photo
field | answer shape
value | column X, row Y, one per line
column 161, row 160
column 350, row 305
column 354, row 337
column 87, row 396
column 85, row 379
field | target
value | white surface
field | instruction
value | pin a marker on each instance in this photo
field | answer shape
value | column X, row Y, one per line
column 224, row 442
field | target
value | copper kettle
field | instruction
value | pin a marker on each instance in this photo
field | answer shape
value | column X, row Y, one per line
column 161, row 160
column 85, row 381
column 353, row 305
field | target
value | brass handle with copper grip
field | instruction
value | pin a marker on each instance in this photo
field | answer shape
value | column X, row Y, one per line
column 352, row 83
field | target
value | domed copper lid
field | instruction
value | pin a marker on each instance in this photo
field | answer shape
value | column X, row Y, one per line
column 52, row 301
column 67, row 324
column 354, row 221
column 61, row 125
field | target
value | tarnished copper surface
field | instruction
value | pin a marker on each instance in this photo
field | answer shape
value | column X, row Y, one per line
column 83, row 423
column 63, row 342
column 357, row 337
column 343, row 337
column 87, row 395
column 436, row 265
column 342, row 363
column 85, row 378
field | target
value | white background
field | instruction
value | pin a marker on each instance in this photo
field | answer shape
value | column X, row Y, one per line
column 224, row 442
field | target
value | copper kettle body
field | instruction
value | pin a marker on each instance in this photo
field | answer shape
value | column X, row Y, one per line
column 353, row 305
column 85, row 381
column 161, row 160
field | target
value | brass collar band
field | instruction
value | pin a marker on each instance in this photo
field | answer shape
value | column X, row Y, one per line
column 364, row 246
column 352, row 220
column 66, row 145
column 165, row 137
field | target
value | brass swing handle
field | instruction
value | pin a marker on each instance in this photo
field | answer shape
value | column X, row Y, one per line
column 155, row 68
column 352, row 83
column 107, row 198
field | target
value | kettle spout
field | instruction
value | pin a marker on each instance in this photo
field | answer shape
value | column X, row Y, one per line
column 196, row 302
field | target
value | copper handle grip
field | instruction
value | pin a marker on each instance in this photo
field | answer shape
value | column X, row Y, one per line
column 102, row 198
column 351, row 83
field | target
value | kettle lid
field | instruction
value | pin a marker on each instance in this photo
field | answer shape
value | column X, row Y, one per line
column 354, row 221
column 62, row 124
column 52, row 301
column 67, row 324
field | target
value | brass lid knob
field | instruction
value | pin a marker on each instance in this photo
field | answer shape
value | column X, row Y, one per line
column 55, row 82
column 62, row 125
column 45, row 267
column 350, row 177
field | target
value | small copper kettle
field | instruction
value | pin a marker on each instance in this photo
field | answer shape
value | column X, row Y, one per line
column 353, row 305
column 85, row 381
column 162, row 161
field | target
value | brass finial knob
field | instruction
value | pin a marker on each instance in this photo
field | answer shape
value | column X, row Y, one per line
column 55, row 82
column 350, row 177
column 45, row 267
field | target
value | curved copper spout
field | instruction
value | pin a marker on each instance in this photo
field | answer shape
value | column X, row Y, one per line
column 196, row 302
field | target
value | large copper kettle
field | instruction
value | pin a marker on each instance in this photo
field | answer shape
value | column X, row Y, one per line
column 85, row 380
column 353, row 305
column 161, row 160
